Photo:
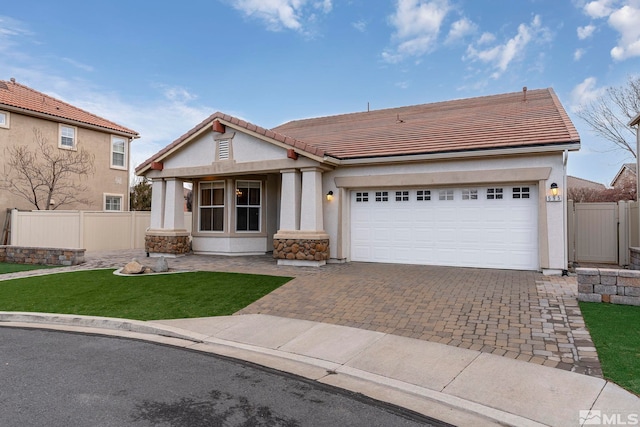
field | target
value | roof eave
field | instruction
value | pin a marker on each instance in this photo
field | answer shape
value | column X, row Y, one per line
column 635, row 121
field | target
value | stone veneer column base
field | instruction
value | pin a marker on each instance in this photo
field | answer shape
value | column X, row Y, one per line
column 169, row 243
column 300, row 248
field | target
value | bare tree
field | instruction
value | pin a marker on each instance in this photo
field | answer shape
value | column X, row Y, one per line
column 609, row 115
column 46, row 176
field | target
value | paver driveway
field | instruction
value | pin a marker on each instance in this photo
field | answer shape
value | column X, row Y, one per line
column 518, row 314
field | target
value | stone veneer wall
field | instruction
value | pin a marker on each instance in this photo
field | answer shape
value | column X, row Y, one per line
column 41, row 256
column 301, row 249
column 634, row 261
column 609, row 285
column 176, row 245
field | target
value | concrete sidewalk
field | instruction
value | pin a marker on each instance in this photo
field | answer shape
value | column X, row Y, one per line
column 459, row 386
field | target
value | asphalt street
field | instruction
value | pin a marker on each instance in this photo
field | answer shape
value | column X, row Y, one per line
column 63, row 379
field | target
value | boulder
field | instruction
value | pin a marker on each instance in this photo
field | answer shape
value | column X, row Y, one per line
column 161, row 265
column 133, row 267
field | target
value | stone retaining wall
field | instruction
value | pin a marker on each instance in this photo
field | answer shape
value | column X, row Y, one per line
column 301, row 249
column 609, row 285
column 634, row 258
column 41, row 256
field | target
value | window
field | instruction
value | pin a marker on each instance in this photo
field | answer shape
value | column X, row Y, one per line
column 67, row 137
column 211, row 206
column 4, row 119
column 112, row 202
column 445, row 195
column 248, row 203
column 469, row 194
column 362, row 196
column 423, row 195
column 521, row 192
column 382, row 196
column 118, row 152
column 402, row 196
column 494, row 193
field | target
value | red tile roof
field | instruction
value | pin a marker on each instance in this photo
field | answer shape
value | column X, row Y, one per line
column 15, row 95
column 490, row 122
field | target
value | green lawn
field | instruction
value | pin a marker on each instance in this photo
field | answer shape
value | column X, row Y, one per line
column 12, row 268
column 148, row 297
column 615, row 330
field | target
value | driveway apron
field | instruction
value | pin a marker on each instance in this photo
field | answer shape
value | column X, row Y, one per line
column 522, row 315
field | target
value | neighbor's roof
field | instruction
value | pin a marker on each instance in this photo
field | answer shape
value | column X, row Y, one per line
column 631, row 167
column 521, row 119
column 575, row 182
column 22, row 97
column 511, row 120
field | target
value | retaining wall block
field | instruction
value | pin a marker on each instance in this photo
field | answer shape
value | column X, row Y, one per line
column 604, row 289
column 589, row 297
column 630, row 291
column 619, row 299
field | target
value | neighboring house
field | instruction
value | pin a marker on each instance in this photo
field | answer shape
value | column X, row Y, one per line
column 23, row 109
column 473, row 182
column 573, row 182
column 583, row 190
column 626, row 178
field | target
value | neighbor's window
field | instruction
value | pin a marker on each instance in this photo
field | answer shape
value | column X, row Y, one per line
column 402, row 196
column 211, row 204
column 118, row 152
column 445, row 195
column 4, row 119
column 248, row 205
column 67, row 137
column 494, row 193
column 112, row 202
column 521, row 192
column 382, row 196
column 469, row 194
column 423, row 195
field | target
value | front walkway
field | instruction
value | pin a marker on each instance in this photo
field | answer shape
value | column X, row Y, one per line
column 516, row 314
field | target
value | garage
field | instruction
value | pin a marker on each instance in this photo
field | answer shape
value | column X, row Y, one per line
column 486, row 227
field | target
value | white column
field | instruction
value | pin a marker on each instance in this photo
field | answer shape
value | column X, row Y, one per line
column 174, row 204
column 157, row 204
column 290, row 200
column 311, row 203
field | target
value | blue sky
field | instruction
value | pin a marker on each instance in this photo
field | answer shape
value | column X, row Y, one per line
column 162, row 67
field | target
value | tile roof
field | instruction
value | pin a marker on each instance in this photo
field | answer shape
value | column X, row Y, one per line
column 575, row 182
column 498, row 121
column 16, row 95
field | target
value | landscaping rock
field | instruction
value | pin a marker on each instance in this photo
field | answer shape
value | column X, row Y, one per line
column 133, row 267
column 161, row 265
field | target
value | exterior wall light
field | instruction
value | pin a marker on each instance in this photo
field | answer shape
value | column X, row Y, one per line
column 554, row 195
column 554, row 189
column 330, row 196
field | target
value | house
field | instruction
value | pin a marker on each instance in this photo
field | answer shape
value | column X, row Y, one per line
column 24, row 110
column 584, row 190
column 626, row 178
column 474, row 182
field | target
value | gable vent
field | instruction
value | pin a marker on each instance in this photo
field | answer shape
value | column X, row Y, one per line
column 223, row 149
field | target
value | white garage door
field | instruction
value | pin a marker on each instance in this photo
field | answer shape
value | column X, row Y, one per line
column 487, row 227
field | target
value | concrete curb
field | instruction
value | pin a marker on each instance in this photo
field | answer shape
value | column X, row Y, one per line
column 432, row 403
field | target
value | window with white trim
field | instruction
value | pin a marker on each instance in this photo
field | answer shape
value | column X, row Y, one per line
column 494, row 193
column 118, row 152
column 112, row 202
column 67, row 137
column 4, row 119
column 248, row 205
column 445, row 195
column 362, row 196
column 469, row 194
column 423, row 195
column 211, row 206
column 521, row 192
column 402, row 196
column 382, row 196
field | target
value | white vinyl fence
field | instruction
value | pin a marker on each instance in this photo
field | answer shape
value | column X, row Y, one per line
column 93, row 231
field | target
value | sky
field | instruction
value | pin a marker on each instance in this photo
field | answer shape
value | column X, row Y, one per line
column 162, row 67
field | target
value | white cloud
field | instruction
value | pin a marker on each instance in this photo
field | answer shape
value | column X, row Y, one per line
column 460, row 29
column 499, row 57
column 626, row 21
column 578, row 54
column 360, row 26
column 585, row 92
column 279, row 14
column 417, row 26
column 486, row 38
column 78, row 64
column 599, row 8
column 586, row 31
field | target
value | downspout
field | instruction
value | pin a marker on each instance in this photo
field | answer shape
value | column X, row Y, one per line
column 565, row 158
